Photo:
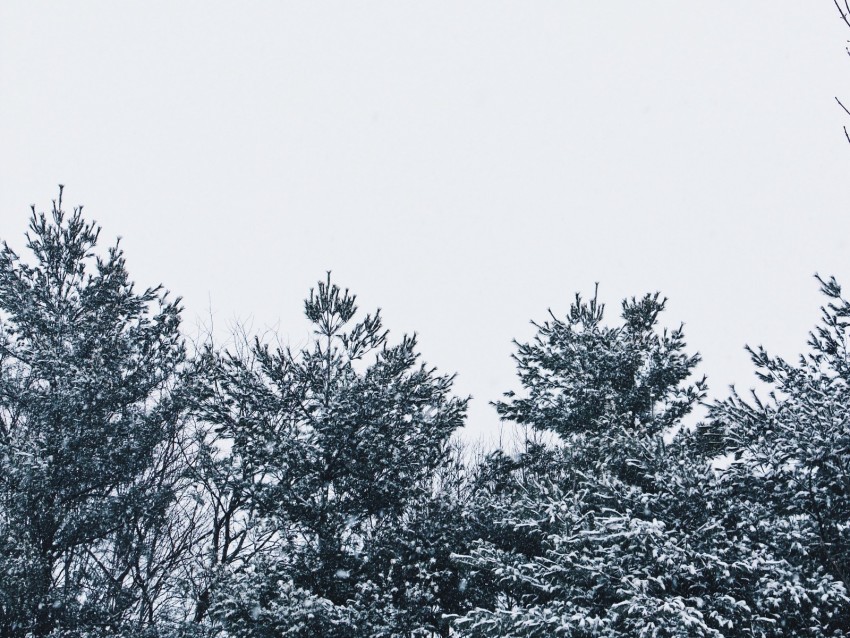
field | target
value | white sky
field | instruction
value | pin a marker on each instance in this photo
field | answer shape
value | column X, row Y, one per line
column 462, row 165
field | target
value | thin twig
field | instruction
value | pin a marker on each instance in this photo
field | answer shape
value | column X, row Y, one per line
column 844, row 12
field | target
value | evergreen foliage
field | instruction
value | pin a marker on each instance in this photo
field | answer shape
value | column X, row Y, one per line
column 264, row 492
column 791, row 468
column 88, row 412
column 624, row 529
column 336, row 452
column 581, row 545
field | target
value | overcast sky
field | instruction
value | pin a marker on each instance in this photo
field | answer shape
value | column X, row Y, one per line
column 462, row 165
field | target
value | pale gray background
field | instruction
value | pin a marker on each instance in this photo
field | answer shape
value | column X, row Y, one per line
column 463, row 165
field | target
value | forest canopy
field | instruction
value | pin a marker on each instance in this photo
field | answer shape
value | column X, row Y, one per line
column 150, row 488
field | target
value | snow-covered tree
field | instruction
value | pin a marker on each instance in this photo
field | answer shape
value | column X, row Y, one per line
column 427, row 585
column 89, row 429
column 335, row 443
column 616, row 531
column 583, row 378
column 791, row 469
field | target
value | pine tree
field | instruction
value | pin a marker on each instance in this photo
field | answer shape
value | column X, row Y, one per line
column 612, row 531
column 88, row 413
column 423, row 583
column 334, row 449
column 581, row 377
column 789, row 479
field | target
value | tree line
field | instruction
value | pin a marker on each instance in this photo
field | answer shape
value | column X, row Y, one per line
column 150, row 487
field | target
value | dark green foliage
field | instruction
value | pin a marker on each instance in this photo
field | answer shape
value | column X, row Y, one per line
column 615, row 531
column 265, row 492
column 416, row 566
column 791, row 468
column 583, row 377
column 87, row 370
column 576, row 544
column 335, row 451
